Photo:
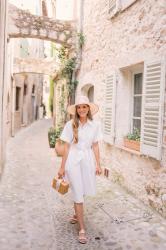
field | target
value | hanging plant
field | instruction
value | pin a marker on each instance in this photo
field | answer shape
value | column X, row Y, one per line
column 62, row 54
column 68, row 68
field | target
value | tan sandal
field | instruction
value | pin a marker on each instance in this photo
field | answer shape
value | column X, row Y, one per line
column 82, row 237
column 73, row 220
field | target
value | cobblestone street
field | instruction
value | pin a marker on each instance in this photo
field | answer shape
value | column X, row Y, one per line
column 34, row 216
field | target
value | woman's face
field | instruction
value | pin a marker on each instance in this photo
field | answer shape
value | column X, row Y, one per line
column 82, row 110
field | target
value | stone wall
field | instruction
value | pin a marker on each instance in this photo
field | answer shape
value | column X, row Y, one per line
column 3, row 93
column 133, row 36
column 17, row 121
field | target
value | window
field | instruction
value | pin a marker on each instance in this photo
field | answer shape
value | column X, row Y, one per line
column 153, row 108
column 109, row 112
column 18, row 92
column 137, row 101
column 25, row 89
column 113, row 7
column 33, row 89
column 126, row 3
column 116, row 6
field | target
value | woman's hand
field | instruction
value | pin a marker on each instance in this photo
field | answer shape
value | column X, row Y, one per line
column 61, row 172
column 98, row 170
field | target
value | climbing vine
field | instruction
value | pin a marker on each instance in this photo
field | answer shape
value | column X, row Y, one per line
column 81, row 39
column 67, row 68
column 62, row 101
column 68, row 83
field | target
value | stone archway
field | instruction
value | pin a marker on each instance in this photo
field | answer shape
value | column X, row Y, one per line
column 21, row 23
column 88, row 90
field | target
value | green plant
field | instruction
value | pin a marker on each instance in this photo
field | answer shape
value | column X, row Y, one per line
column 62, row 105
column 135, row 136
column 53, row 135
column 72, row 86
column 81, row 39
column 62, row 54
column 58, row 131
column 68, row 68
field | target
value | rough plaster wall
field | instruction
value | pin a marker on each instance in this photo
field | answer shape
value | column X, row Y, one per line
column 136, row 35
column 30, row 80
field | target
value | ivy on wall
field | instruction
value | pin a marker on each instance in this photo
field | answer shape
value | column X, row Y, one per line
column 67, row 73
column 81, row 39
column 51, row 96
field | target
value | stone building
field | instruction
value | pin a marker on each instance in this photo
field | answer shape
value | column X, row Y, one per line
column 3, row 77
column 123, row 71
column 28, row 90
column 26, row 86
column 21, row 77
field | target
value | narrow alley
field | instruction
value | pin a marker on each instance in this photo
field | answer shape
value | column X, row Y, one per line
column 34, row 216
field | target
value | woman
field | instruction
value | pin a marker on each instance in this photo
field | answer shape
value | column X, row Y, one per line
column 80, row 162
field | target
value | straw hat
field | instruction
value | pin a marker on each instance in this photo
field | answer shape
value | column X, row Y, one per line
column 83, row 100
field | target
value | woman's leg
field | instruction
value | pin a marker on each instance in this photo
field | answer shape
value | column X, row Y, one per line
column 80, row 214
column 75, row 210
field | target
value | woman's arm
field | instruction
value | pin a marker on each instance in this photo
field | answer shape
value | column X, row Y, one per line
column 95, row 148
column 61, row 171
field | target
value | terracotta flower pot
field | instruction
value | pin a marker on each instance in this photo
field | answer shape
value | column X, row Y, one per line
column 134, row 145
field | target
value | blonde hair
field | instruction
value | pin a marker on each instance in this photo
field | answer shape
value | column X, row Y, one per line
column 75, row 124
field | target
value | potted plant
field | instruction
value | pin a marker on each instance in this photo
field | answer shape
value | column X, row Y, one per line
column 53, row 134
column 132, row 140
column 51, row 137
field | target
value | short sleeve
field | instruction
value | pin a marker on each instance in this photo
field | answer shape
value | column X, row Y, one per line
column 98, row 133
column 67, row 133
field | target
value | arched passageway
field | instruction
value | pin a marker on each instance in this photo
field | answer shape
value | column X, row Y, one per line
column 17, row 23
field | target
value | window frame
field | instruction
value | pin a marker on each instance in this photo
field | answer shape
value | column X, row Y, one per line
column 120, row 6
column 115, row 10
column 17, row 99
column 133, row 73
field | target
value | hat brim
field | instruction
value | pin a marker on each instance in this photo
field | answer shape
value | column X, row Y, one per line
column 93, row 108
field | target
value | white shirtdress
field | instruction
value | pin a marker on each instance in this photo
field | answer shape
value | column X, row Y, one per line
column 80, row 165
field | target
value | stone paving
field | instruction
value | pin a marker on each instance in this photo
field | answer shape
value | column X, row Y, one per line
column 34, row 216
